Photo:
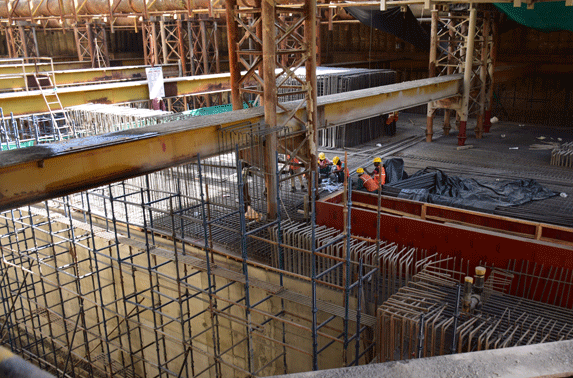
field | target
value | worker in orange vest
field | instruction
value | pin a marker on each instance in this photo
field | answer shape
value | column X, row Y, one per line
column 294, row 168
column 324, row 164
column 339, row 169
column 379, row 173
column 365, row 181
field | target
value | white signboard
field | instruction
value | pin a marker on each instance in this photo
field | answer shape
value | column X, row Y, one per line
column 155, row 82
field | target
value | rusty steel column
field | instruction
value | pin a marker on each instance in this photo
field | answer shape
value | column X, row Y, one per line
column 270, row 103
column 180, row 47
column 311, row 106
column 450, row 70
column 491, row 69
column 432, row 71
column 483, row 76
column 23, row 41
column 164, row 47
column 467, row 76
column 232, row 39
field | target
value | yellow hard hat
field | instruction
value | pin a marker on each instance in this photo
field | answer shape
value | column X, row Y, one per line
column 336, row 160
column 377, row 160
column 322, row 156
column 360, row 171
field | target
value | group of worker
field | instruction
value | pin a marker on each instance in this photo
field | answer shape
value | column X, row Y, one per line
column 335, row 169
column 371, row 181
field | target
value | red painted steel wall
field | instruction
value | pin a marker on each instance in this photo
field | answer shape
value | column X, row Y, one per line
column 463, row 242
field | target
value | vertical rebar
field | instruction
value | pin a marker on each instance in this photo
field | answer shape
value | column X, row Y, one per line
column 313, row 275
column 456, row 317
column 244, row 256
column 210, row 289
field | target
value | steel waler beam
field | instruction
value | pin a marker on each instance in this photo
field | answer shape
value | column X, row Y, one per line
column 114, row 157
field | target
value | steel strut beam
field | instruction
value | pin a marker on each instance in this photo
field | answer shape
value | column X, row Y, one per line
column 41, row 172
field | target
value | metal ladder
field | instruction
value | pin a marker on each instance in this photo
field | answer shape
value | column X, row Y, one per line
column 57, row 112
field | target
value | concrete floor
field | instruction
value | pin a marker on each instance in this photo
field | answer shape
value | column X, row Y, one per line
column 541, row 360
column 503, row 153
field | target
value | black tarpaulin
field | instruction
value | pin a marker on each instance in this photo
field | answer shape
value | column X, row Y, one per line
column 394, row 169
column 473, row 194
column 403, row 25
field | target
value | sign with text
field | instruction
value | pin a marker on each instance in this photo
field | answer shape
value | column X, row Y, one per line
column 155, row 82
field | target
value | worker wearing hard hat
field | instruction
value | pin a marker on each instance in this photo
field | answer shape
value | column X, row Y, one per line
column 294, row 169
column 339, row 169
column 379, row 173
column 324, row 165
column 365, row 181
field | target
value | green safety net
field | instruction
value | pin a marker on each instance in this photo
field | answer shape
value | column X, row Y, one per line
column 547, row 16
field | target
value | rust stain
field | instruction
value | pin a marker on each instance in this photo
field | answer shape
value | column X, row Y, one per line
column 102, row 100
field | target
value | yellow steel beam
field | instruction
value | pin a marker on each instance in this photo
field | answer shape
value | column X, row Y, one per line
column 31, row 102
column 12, row 81
column 37, row 173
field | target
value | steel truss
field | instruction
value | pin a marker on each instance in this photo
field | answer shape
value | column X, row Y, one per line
column 270, row 59
column 462, row 42
column 193, row 43
column 91, row 44
column 203, row 46
column 21, row 40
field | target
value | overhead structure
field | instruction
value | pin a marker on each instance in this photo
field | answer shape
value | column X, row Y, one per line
column 462, row 42
column 270, row 42
column 135, row 152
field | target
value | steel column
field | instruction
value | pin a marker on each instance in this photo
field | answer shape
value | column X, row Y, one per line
column 311, row 105
column 483, row 76
column 270, row 102
column 491, row 70
column 432, row 71
column 450, row 70
column 468, row 69
column 234, row 69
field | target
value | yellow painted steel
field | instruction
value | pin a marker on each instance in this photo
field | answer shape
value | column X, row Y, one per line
column 31, row 102
column 16, row 81
column 36, row 173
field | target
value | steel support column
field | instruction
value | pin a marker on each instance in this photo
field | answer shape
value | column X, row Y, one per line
column 484, row 57
column 21, row 40
column 149, row 34
column 234, row 69
column 450, row 70
column 432, row 71
column 270, row 102
column 468, row 70
column 491, row 69
column 311, row 100
column 100, row 52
